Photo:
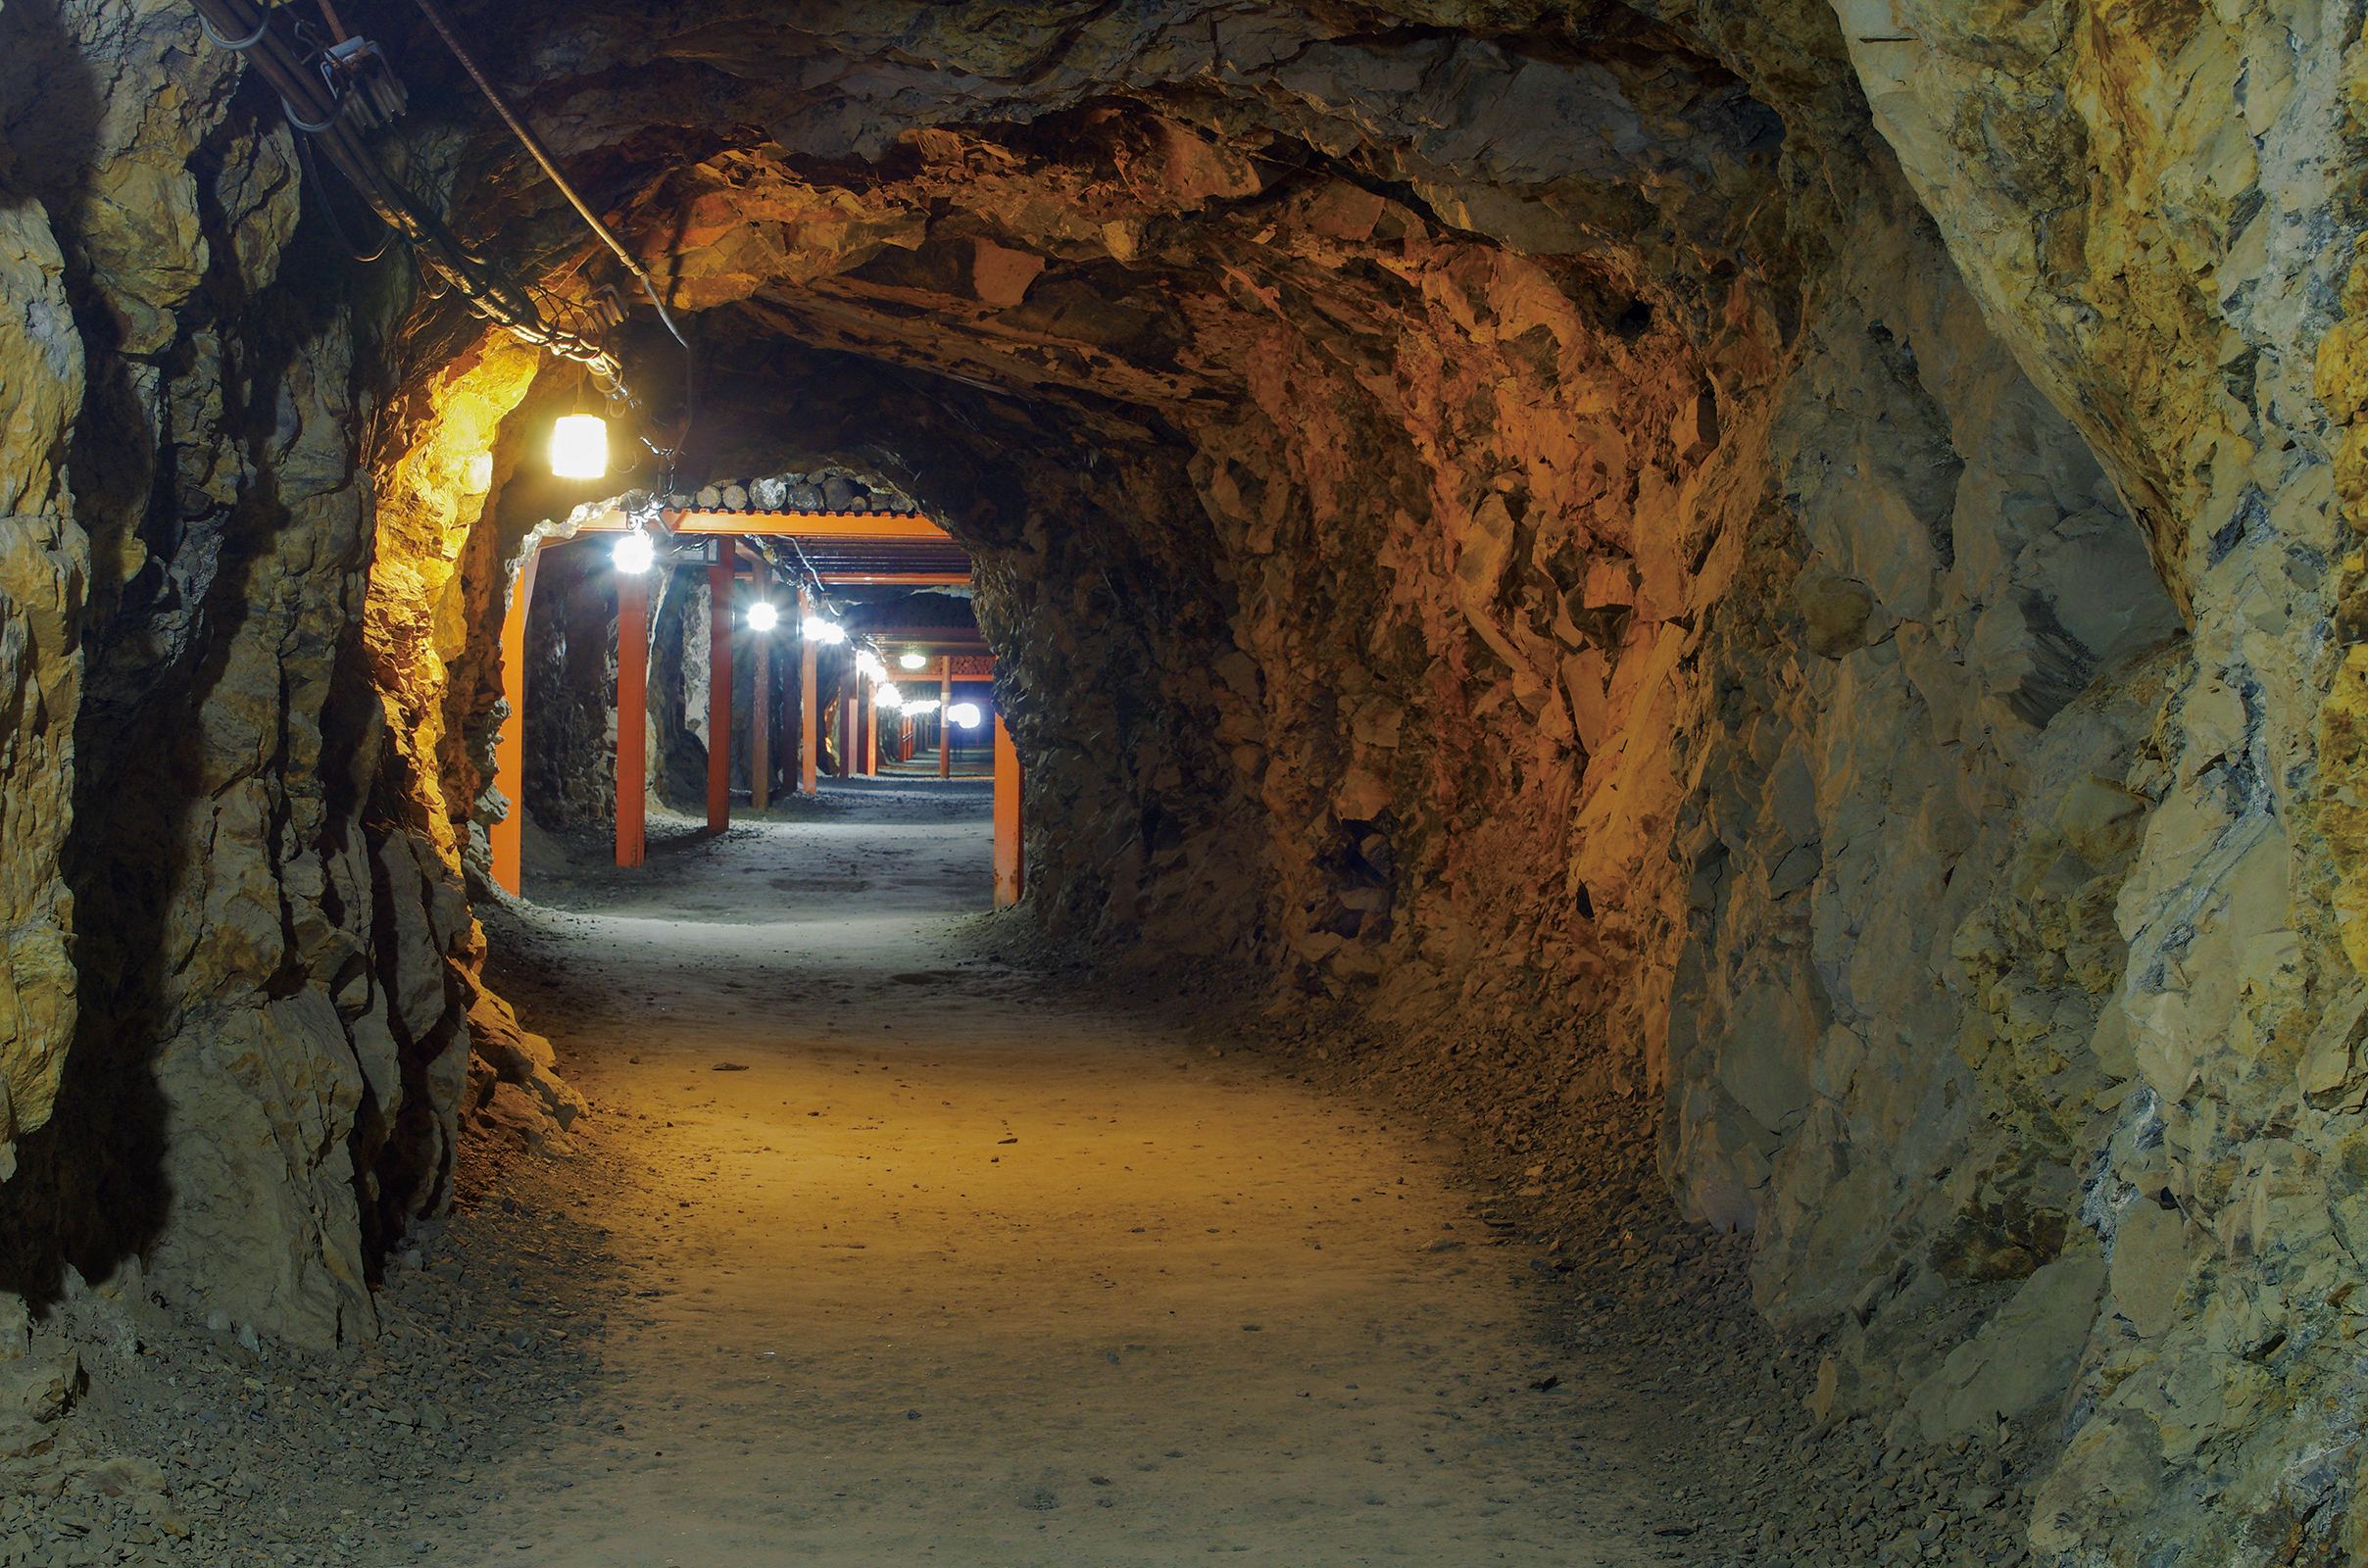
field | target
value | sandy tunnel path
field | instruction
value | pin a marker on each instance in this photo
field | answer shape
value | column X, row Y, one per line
column 915, row 1263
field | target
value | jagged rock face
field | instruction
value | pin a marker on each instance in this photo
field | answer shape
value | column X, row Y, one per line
column 2152, row 217
column 1770, row 559
column 236, row 990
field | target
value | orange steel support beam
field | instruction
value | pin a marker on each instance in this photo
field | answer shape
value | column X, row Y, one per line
column 1009, row 879
column 808, row 734
column 508, row 835
column 719, row 696
column 632, row 711
column 759, row 726
column 801, row 524
column 945, row 723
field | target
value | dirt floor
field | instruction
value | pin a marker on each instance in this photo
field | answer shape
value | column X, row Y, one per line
column 876, row 1249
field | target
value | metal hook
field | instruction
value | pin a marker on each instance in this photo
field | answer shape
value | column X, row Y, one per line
column 248, row 42
column 289, row 110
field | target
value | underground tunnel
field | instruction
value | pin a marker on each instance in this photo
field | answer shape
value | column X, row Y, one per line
column 1535, row 782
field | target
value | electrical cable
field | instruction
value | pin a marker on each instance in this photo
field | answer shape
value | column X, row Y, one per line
column 329, row 209
column 819, row 587
column 600, row 230
column 542, row 155
column 315, row 106
column 289, row 110
column 312, row 101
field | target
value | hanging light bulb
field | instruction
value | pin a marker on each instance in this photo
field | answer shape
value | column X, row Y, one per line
column 871, row 666
column 888, row 696
column 913, row 660
column 580, row 446
column 763, row 616
column 820, row 630
column 925, row 706
column 634, row 552
column 963, row 713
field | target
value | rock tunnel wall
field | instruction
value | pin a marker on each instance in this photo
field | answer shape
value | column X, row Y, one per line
column 1823, row 608
column 241, row 1003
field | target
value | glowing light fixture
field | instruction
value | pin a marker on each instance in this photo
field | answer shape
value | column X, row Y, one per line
column 913, row 660
column 871, row 666
column 824, row 631
column 580, row 446
column 763, row 616
column 964, row 714
column 634, row 552
column 928, row 706
column 888, row 696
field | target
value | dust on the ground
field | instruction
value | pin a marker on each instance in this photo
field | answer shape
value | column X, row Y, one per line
column 879, row 1246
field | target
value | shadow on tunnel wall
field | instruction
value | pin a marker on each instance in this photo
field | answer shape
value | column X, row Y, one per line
column 51, row 104
column 221, row 667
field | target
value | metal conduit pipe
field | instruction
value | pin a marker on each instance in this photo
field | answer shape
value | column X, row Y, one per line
column 542, row 155
column 312, row 103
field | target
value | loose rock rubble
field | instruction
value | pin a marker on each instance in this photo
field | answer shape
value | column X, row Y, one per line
column 186, row 1444
column 821, row 490
column 1769, row 1468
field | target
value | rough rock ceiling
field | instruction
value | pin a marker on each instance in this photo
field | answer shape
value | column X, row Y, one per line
column 1109, row 203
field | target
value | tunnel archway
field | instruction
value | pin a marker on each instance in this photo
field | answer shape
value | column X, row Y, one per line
column 1757, row 598
column 737, row 651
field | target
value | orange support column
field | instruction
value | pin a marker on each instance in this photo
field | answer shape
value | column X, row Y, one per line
column 807, row 733
column 945, row 724
column 632, row 711
column 720, row 695
column 508, row 835
column 846, row 735
column 867, row 729
column 1008, row 881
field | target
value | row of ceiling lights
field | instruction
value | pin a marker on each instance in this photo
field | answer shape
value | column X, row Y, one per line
column 634, row 555
column 965, row 715
column 580, row 442
column 579, row 450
